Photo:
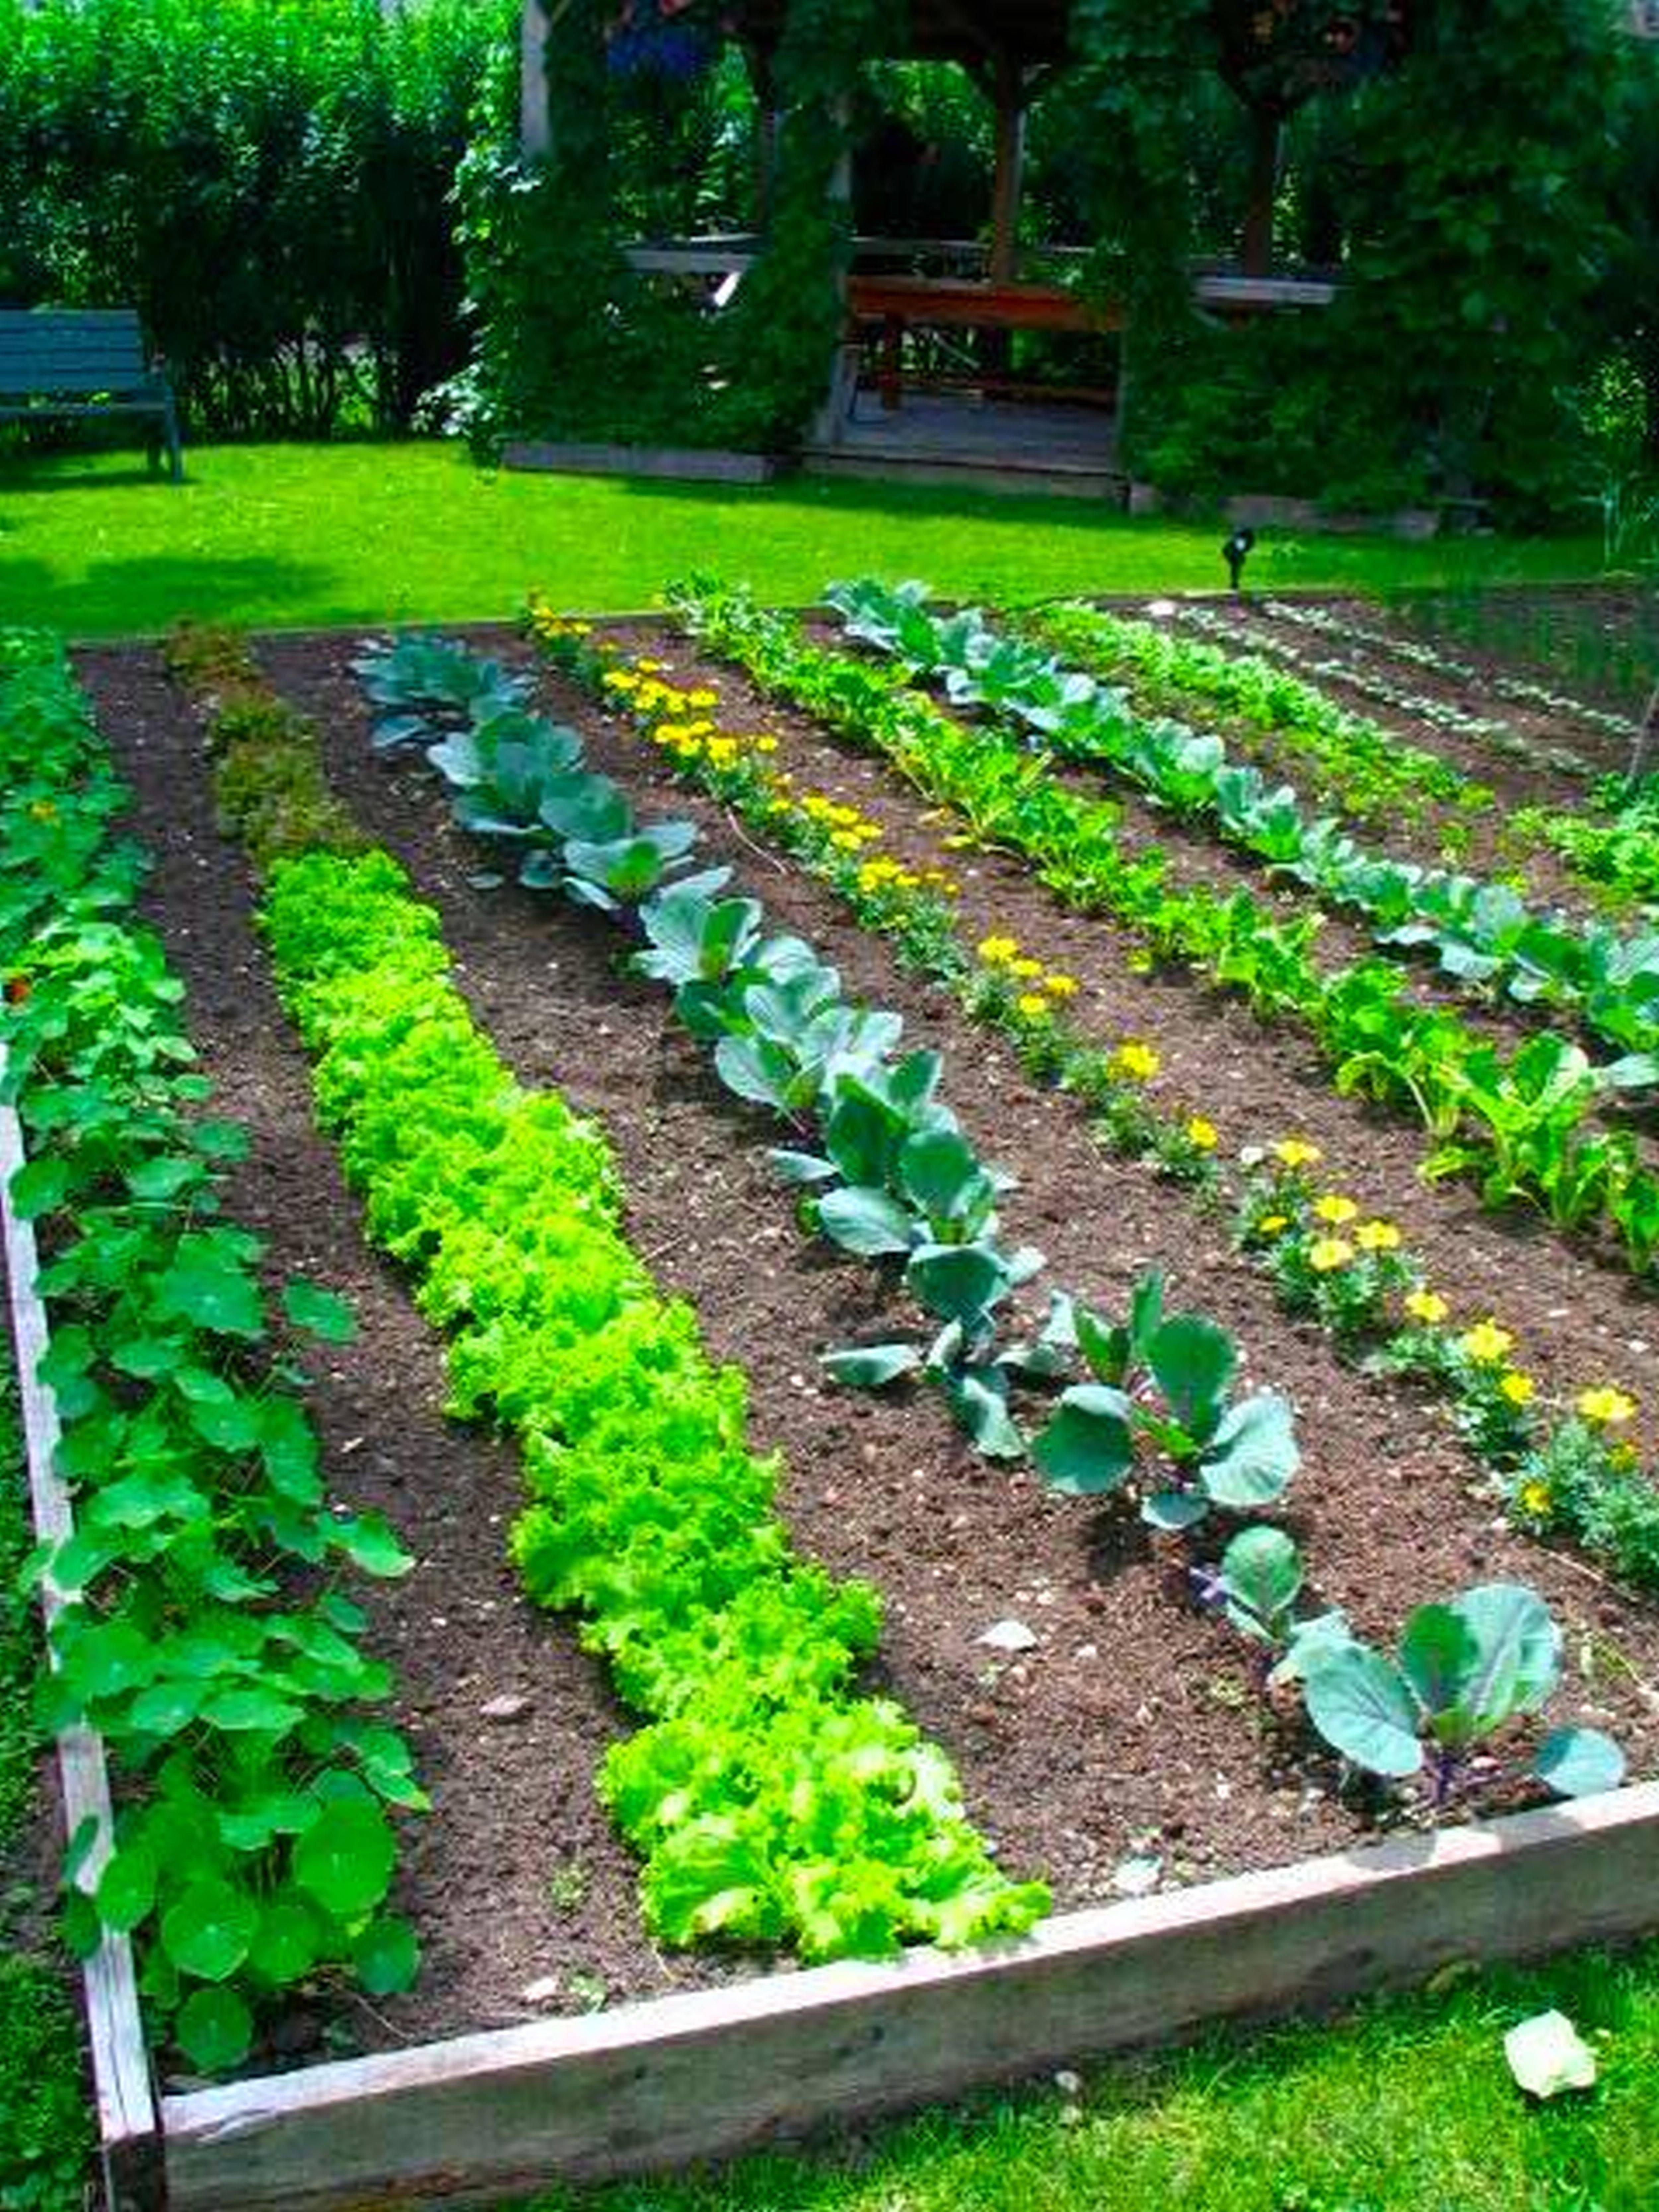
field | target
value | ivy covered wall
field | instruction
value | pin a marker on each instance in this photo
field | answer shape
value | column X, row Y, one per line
column 575, row 344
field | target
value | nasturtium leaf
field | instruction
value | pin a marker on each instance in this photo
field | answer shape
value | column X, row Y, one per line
column 254, row 1709
column 78, row 1924
column 249, row 1828
column 147, row 1357
column 81, row 1558
column 1192, row 1362
column 1360, row 1703
column 387, row 1955
column 220, row 1140
column 323, row 1312
column 126, row 1887
column 108, row 1659
column 287, row 1446
column 867, row 1367
column 202, row 1387
column 207, row 1930
column 1086, row 1448
column 866, row 1222
column 286, row 1941
column 208, row 1287
column 164, row 1175
column 369, row 1542
column 166, row 1707
column 1579, row 1762
column 38, row 1188
column 229, row 1425
column 214, row 2029
column 1251, row 1457
column 344, row 1860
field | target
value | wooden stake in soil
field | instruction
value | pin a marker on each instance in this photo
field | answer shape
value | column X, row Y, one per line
column 128, row 2124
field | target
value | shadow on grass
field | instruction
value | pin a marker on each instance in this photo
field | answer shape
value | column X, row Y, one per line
column 941, row 502
column 148, row 593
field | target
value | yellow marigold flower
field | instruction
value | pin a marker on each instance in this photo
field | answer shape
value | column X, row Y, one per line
column 620, row 679
column 997, row 951
column 1534, row 1498
column 766, row 745
column 703, row 698
column 1061, row 987
column 1204, row 1134
column 1137, row 1061
column 1335, row 1209
column 1606, row 1407
column 1377, row 1236
column 650, row 667
column 1326, row 1254
column 845, row 840
column 1272, row 1224
column 1517, row 1387
column 906, row 881
column 723, row 751
column 1297, row 1152
column 1025, row 969
column 816, row 806
column 580, row 628
column 1032, row 1005
column 1486, row 1343
column 845, row 817
column 1426, row 1306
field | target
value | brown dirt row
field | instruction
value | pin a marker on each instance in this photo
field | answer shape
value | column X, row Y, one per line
column 1130, row 1726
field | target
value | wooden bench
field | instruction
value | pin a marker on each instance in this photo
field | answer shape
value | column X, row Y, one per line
column 85, row 361
column 900, row 302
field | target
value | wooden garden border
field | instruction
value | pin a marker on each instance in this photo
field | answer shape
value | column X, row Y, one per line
column 654, row 2085
column 128, row 2123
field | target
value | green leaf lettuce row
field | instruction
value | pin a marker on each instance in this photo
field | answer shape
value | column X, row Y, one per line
column 770, row 1803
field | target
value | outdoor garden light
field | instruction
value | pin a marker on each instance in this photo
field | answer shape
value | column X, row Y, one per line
column 1234, row 551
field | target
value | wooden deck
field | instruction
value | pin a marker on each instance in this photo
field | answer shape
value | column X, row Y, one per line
column 992, row 445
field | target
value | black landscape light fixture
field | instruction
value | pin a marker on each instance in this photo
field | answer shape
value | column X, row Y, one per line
column 1234, row 551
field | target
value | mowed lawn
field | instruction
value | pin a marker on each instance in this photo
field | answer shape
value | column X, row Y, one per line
column 295, row 536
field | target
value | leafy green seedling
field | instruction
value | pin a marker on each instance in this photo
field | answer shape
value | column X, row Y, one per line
column 1465, row 1670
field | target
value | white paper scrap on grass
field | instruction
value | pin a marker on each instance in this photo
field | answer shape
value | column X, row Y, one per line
column 1547, row 2054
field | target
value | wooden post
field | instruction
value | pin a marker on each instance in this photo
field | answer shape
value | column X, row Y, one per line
column 1262, row 190
column 831, row 416
column 535, row 116
column 1009, row 93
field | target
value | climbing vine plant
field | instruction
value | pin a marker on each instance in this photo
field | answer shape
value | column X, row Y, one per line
column 574, row 344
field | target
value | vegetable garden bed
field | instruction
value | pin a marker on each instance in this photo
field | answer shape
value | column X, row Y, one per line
column 1124, row 1748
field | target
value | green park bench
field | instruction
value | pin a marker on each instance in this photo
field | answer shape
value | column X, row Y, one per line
column 85, row 361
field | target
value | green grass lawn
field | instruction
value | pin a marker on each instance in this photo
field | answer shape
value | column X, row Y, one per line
column 1405, row 2107
column 292, row 536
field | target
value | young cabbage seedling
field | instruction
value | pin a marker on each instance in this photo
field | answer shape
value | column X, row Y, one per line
column 1464, row 1670
column 1164, row 1388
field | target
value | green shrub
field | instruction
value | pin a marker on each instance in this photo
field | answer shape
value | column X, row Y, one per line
column 267, row 184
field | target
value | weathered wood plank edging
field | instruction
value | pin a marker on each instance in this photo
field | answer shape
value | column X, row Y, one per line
column 128, row 2122
column 655, row 2084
